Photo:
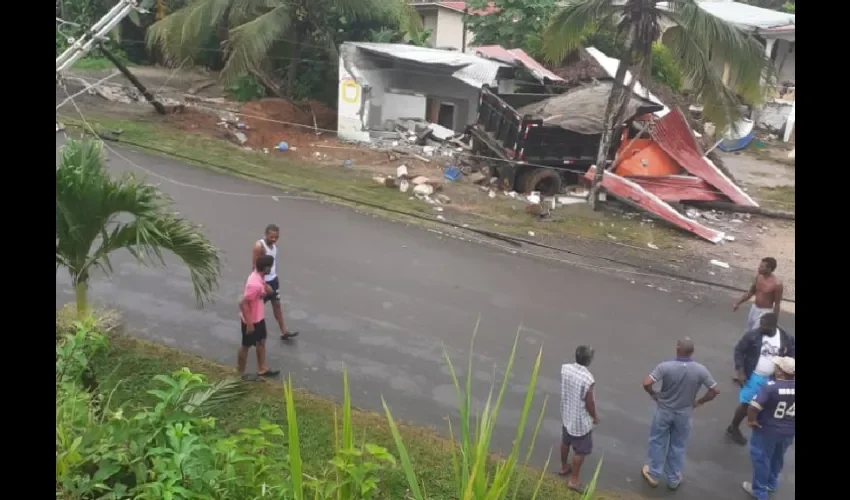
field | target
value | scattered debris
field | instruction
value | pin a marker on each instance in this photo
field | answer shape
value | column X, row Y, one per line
column 401, row 171
column 345, row 163
column 719, row 263
column 452, row 174
column 422, row 189
column 652, row 246
column 282, row 146
column 531, row 233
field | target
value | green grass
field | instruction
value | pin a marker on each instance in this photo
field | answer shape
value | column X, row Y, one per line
column 95, row 64
column 502, row 214
column 778, row 198
column 131, row 363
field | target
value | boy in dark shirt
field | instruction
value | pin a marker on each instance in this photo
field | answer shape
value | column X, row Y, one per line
column 771, row 415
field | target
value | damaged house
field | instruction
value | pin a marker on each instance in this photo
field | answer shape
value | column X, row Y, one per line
column 382, row 82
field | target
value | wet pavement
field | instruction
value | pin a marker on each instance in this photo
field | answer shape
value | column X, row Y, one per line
column 384, row 299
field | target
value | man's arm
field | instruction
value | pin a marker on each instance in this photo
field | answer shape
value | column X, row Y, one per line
column 711, row 393
column 650, row 380
column 256, row 252
column 777, row 298
column 747, row 296
column 740, row 355
column 245, row 308
column 757, row 405
column 590, row 404
column 790, row 346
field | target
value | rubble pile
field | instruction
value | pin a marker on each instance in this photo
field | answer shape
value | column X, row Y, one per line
column 423, row 140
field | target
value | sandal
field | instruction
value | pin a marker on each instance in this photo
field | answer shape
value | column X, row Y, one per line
column 269, row 373
column 565, row 473
column 288, row 335
column 577, row 488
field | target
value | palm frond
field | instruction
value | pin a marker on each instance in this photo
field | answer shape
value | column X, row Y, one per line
column 91, row 213
column 250, row 42
column 181, row 35
column 702, row 37
column 570, row 25
column 221, row 392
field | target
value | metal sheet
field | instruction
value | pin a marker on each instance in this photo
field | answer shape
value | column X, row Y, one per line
column 517, row 56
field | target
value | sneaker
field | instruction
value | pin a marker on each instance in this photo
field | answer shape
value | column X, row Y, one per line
column 649, row 479
column 748, row 487
column 736, row 436
column 675, row 485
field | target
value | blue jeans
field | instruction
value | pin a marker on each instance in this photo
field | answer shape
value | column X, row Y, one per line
column 668, row 435
column 767, row 450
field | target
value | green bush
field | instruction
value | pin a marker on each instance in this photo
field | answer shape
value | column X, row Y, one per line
column 246, row 88
column 665, row 69
column 172, row 448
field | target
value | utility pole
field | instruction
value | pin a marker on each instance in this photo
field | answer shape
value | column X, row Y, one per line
column 95, row 36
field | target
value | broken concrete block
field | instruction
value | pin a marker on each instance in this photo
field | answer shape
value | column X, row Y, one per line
column 478, row 177
column 240, row 137
column 420, row 179
column 423, row 189
column 403, row 186
column 401, row 171
column 440, row 132
column 443, row 198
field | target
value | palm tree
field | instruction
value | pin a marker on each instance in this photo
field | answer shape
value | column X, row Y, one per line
column 97, row 215
column 250, row 29
column 698, row 38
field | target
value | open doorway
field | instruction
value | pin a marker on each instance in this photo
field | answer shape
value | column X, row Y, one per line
column 441, row 113
column 446, row 116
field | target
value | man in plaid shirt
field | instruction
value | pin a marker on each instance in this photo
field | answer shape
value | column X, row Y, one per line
column 578, row 414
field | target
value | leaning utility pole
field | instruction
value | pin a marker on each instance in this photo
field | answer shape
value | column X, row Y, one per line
column 95, row 36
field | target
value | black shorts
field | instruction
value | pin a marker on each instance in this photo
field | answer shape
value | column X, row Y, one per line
column 581, row 446
column 275, row 295
column 258, row 335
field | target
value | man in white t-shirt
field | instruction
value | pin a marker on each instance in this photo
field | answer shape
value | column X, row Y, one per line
column 754, row 366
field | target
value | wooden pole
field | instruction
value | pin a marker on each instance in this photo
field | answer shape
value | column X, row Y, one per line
column 135, row 81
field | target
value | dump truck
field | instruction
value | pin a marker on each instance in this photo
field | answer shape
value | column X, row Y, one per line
column 537, row 142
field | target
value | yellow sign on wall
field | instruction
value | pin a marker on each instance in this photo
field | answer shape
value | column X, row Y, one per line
column 349, row 91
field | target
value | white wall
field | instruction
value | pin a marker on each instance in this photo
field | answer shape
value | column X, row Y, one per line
column 443, row 87
column 785, row 56
column 398, row 105
column 449, row 33
column 429, row 21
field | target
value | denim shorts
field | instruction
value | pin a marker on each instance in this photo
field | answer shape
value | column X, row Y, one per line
column 751, row 388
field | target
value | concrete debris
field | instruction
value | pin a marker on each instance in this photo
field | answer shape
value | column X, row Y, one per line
column 441, row 198
column 240, row 137
column 420, row 139
column 531, row 233
column 478, row 178
column 652, row 246
column 719, row 263
column 423, row 189
column 401, row 171
column 403, row 186
column 385, row 181
column 533, row 197
column 420, row 179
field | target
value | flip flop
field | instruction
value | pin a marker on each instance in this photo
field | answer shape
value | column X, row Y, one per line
column 250, row 377
column 566, row 472
column 269, row 373
column 288, row 335
column 577, row 488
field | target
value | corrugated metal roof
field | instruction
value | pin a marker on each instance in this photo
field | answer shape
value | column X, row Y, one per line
column 514, row 56
column 471, row 69
column 610, row 65
column 745, row 16
column 675, row 137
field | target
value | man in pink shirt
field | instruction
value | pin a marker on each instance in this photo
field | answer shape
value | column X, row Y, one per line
column 252, row 314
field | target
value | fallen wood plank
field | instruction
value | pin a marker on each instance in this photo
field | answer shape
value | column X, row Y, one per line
column 743, row 209
column 632, row 193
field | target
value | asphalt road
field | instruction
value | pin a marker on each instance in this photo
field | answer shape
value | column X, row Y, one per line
column 382, row 299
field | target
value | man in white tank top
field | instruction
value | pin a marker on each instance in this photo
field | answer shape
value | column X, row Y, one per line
column 268, row 246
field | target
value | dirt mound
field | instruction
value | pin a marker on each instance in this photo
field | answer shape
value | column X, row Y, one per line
column 273, row 120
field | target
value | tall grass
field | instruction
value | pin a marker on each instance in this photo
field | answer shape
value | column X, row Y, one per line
column 174, row 450
column 478, row 475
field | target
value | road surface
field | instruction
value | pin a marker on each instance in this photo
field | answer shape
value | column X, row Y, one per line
column 382, row 299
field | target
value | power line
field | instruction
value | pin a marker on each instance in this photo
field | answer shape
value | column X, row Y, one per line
column 514, row 241
column 659, row 183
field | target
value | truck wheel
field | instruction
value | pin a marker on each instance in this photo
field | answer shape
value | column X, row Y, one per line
column 545, row 180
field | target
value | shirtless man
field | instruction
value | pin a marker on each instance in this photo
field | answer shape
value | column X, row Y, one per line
column 268, row 246
column 767, row 290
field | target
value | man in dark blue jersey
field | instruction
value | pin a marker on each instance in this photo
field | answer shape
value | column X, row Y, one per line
column 771, row 415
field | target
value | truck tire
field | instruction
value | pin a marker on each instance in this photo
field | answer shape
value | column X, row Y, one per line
column 545, row 180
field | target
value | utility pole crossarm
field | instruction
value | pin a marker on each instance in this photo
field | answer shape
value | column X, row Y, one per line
column 94, row 35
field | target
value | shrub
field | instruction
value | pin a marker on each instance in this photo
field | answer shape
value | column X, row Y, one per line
column 665, row 69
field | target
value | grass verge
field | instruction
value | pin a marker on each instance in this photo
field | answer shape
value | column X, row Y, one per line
column 778, row 198
column 131, row 364
column 352, row 186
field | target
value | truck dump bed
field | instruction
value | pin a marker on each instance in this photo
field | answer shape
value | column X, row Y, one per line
column 527, row 138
